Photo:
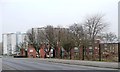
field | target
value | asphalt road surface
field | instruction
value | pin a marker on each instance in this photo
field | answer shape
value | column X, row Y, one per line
column 36, row 64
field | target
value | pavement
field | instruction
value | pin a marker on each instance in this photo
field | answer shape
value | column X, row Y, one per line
column 43, row 64
column 113, row 65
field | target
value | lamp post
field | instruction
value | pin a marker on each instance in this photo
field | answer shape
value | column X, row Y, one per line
column 119, row 32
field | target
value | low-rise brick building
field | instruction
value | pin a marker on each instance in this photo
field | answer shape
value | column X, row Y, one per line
column 22, row 52
column 109, row 51
column 42, row 51
column 31, row 51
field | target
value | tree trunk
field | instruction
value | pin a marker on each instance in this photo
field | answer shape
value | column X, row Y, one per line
column 99, row 52
column 93, row 46
column 83, row 52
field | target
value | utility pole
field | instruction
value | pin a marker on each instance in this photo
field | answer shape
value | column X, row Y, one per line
column 118, row 33
column 2, row 44
column 119, row 55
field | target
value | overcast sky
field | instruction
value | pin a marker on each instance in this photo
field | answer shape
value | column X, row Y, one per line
column 21, row 15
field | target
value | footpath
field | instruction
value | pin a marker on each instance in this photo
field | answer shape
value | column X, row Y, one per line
column 114, row 65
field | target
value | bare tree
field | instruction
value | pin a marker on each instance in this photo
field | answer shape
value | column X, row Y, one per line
column 109, row 37
column 33, row 39
column 19, row 47
column 94, row 25
column 77, row 32
column 49, row 30
column 80, row 36
column 30, row 35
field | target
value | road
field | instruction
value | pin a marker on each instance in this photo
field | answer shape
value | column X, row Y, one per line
column 36, row 64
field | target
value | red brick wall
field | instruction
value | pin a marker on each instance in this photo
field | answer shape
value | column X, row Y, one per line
column 58, row 52
column 72, row 53
column 81, row 50
column 96, row 49
column 22, row 52
column 31, row 52
column 42, row 52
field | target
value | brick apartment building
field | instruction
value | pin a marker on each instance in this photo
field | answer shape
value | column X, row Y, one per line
column 42, row 51
column 31, row 52
column 22, row 52
column 107, row 50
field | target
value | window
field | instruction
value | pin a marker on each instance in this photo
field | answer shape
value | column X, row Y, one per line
column 96, row 48
column 105, row 45
column 90, row 48
column 31, row 50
